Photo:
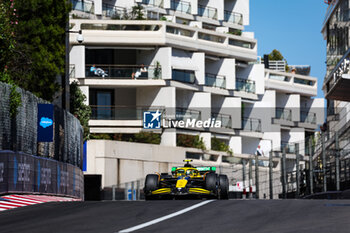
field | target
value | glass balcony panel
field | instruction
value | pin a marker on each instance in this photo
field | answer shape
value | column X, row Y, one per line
column 245, row 85
column 239, row 43
column 285, row 114
column 233, row 17
column 179, row 31
column 224, row 118
column 208, row 12
column 213, row 80
column 100, row 112
column 308, row 117
column 84, row 6
column 251, row 124
column 124, row 72
column 158, row 3
column 208, row 37
column 186, row 76
column 185, row 113
column 181, row 6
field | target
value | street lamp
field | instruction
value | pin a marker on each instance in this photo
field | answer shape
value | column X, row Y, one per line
column 65, row 80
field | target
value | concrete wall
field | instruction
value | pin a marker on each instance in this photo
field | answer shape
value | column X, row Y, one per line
column 225, row 67
column 77, row 58
column 239, row 6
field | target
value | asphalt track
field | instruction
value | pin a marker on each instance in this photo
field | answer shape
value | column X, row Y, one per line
column 272, row 216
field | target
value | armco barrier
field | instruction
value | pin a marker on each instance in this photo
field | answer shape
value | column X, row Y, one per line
column 22, row 173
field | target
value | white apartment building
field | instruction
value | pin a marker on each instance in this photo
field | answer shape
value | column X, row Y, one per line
column 200, row 64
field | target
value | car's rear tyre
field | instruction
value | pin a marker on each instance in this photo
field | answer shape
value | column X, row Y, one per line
column 151, row 183
column 224, row 187
column 210, row 181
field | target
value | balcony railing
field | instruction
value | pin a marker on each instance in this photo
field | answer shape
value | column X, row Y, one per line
column 185, row 113
column 290, row 147
column 225, row 119
column 308, row 117
column 186, row 76
column 124, row 72
column 181, row 6
column 213, row 80
column 84, row 6
column 102, row 112
column 284, row 114
column 251, row 124
column 233, row 17
column 208, row 12
column 112, row 11
column 245, row 85
column 158, row 3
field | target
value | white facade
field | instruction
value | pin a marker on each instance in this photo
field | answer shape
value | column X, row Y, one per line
column 199, row 65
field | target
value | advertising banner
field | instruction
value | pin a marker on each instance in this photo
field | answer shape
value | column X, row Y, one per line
column 45, row 122
column 21, row 173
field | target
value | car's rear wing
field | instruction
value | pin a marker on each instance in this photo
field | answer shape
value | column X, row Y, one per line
column 202, row 170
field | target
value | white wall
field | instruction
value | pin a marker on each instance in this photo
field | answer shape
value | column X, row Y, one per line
column 163, row 56
column 198, row 60
column 155, row 96
column 225, row 67
column 235, row 144
column 318, row 107
column 249, row 145
column 298, row 135
column 77, row 58
column 202, row 102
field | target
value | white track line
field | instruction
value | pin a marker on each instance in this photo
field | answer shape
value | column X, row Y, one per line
column 146, row 224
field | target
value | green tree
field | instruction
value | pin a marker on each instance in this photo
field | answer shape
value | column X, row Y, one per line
column 276, row 55
column 38, row 55
column 79, row 109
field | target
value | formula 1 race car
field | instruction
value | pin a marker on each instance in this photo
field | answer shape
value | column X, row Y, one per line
column 187, row 181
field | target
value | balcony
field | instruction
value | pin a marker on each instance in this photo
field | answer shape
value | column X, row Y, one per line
column 308, row 117
column 112, row 11
column 185, row 114
column 124, row 72
column 284, row 114
column 181, row 6
column 290, row 147
column 225, row 119
column 207, row 12
column 290, row 83
column 83, row 6
column 101, row 112
column 245, row 85
column 233, row 17
column 213, row 80
column 251, row 124
column 156, row 3
column 186, row 76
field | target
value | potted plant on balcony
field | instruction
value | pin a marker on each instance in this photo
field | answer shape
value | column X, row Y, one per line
column 157, row 70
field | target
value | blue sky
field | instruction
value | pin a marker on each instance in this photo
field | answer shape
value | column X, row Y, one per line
column 293, row 28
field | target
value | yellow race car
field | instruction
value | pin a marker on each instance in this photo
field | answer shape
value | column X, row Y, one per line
column 187, row 181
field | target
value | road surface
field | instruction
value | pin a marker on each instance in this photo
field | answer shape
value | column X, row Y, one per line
column 270, row 216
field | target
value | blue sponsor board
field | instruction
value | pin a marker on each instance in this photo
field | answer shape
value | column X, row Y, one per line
column 45, row 122
column 151, row 120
